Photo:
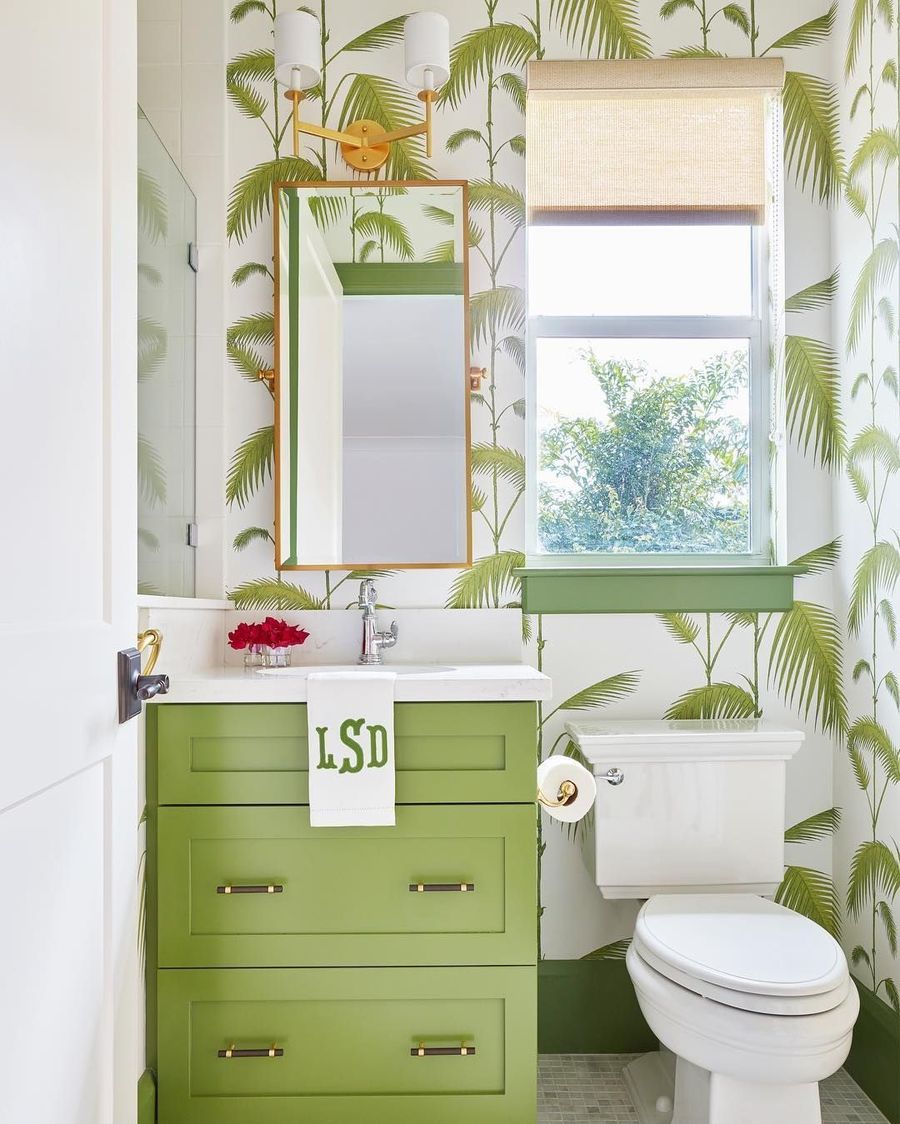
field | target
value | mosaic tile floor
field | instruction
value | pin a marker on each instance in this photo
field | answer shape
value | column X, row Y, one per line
column 589, row 1089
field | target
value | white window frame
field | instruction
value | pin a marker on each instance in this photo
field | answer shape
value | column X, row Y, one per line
column 755, row 328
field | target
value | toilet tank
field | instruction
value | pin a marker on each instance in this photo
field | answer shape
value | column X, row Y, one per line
column 699, row 808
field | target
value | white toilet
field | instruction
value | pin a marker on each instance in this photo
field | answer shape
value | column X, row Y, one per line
column 752, row 1002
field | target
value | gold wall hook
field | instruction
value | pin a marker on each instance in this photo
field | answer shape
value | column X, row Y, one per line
column 152, row 638
column 568, row 793
column 476, row 376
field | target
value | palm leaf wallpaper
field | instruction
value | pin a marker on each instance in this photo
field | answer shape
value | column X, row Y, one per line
column 829, row 664
column 870, row 860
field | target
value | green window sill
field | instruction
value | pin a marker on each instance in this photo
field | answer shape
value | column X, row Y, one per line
column 657, row 589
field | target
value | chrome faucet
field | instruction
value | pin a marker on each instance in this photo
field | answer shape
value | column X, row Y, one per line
column 373, row 641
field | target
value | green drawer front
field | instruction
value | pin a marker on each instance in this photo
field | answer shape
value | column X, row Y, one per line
column 346, row 1036
column 345, row 897
column 244, row 753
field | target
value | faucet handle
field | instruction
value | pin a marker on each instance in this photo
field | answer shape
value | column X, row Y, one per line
column 388, row 639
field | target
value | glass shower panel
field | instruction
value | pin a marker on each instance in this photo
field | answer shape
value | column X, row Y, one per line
column 167, row 316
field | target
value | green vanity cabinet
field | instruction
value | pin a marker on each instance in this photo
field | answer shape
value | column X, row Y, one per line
column 256, row 753
column 302, row 975
column 349, row 1041
column 345, row 896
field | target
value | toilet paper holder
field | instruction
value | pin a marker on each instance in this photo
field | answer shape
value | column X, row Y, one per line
column 568, row 793
column 568, row 790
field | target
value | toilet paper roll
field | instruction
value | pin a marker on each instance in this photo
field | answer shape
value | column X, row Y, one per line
column 553, row 773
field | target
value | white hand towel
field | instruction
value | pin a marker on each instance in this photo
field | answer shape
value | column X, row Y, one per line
column 350, row 721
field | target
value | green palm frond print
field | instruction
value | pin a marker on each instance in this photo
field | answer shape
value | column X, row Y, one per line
column 872, row 192
column 841, row 399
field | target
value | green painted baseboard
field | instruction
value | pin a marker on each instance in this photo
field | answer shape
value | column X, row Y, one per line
column 589, row 1007
column 146, row 1098
column 874, row 1062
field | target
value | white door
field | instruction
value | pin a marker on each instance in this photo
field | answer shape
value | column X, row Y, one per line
column 68, row 804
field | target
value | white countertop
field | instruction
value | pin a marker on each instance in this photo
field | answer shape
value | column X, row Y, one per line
column 419, row 683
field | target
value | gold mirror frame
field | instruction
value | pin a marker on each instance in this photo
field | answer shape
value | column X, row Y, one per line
column 465, row 376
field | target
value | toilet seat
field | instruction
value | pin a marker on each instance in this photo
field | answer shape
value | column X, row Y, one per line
column 744, row 952
column 760, row 1048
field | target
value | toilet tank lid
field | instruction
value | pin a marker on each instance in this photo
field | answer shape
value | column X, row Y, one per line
column 659, row 739
column 741, row 942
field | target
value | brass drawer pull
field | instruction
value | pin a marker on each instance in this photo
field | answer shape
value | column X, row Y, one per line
column 234, row 1052
column 423, row 1051
column 271, row 888
column 442, row 887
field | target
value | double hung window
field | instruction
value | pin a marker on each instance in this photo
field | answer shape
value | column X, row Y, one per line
column 653, row 285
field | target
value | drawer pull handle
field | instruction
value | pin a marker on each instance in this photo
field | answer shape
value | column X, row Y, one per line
column 271, row 888
column 423, row 1051
column 442, row 887
column 234, row 1052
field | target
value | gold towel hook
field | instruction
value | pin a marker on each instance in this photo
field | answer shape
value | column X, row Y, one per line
column 152, row 638
column 568, row 793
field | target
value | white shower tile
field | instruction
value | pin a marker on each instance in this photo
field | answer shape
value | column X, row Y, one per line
column 159, row 87
column 159, row 43
column 204, row 109
column 204, row 31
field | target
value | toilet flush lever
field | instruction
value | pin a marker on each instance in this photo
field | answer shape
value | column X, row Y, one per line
column 613, row 776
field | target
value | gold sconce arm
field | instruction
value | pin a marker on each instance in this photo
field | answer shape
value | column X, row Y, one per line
column 401, row 134
column 301, row 126
column 427, row 96
column 365, row 145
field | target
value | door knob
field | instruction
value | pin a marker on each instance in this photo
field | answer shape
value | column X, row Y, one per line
column 148, row 686
column 135, row 688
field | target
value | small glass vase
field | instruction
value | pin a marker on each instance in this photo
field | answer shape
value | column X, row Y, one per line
column 275, row 657
column 253, row 657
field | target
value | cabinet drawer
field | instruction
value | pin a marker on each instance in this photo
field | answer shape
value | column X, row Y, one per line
column 345, row 1045
column 247, row 753
column 342, row 896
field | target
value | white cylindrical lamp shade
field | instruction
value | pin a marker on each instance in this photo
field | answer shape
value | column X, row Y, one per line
column 298, row 49
column 427, row 50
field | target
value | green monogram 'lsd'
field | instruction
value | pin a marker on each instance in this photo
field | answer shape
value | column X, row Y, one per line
column 378, row 747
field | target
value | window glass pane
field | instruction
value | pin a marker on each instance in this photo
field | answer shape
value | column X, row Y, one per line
column 643, row 446
column 640, row 271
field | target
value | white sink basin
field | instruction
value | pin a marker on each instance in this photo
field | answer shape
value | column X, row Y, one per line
column 355, row 669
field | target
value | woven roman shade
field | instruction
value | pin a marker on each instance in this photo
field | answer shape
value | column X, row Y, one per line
column 655, row 140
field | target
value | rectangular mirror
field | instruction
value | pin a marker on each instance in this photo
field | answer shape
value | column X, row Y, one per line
column 372, row 427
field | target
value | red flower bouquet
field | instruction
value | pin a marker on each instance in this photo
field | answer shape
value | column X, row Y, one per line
column 272, row 639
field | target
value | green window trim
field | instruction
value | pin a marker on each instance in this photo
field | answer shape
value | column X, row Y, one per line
column 657, row 589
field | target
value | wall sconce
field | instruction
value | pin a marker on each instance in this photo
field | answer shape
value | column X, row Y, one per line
column 365, row 145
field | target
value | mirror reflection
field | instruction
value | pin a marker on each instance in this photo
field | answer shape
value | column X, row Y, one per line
column 372, row 434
